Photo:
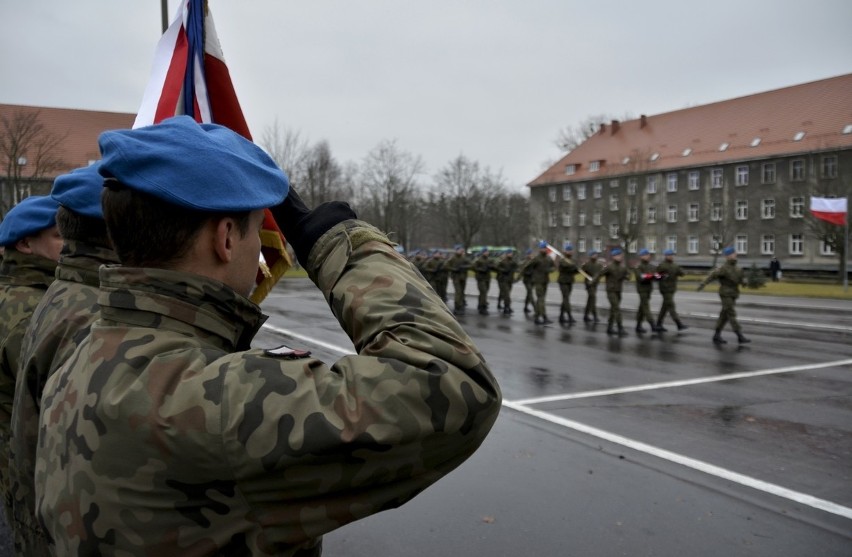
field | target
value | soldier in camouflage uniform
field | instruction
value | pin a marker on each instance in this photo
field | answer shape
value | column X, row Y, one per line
column 526, row 275
column 730, row 277
column 542, row 265
column 669, row 272
column 32, row 244
column 616, row 274
column 645, row 276
column 442, row 277
column 506, row 269
column 430, row 271
column 458, row 265
column 482, row 267
column 59, row 323
column 567, row 271
column 164, row 434
column 591, row 268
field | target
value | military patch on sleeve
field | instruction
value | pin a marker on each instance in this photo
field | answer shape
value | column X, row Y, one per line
column 286, row 353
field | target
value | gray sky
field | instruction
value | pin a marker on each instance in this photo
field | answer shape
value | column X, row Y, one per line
column 493, row 80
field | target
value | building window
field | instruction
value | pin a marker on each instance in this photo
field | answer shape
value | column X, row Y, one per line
column 581, row 218
column 597, row 190
column 716, row 178
column 767, row 244
column 566, row 218
column 767, row 173
column 797, row 207
column 692, row 244
column 570, row 169
column 797, row 170
column 692, row 212
column 797, row 244
column 694, row 183
column 551, row 218
column 581, row 191
column 741, row 244
column 634, row 215
column 631, row 186
column 613, row 183
column 716, row 211
column 741, row 210
column 651, row 244
column 826, row 249
column 581, row 244
column 671, row 181
column 671, row 243
column 671, row 213
column 652, row 184
column 613, row 230
column 742, row 175
column 652, row 215
column 597, row 243
column 596, row 217
column 594, row 166
column 613, row 202
column 633, row 246
column 828, row 169
column 566, row 193
column 551, row 193
column 715, row 243
column 767, row 209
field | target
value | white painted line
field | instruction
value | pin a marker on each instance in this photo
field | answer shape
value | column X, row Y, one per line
column 698, row 465
column 801, row 324
column 682, row 383
column 308, row 339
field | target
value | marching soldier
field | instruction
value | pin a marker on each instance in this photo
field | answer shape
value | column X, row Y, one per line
column 526, row 275
column 567, row 270
column 669, row 272
column 458, row 265
column 730, row 277
column 482, row 267
column 616, row 274
column 506, row 269
column 644, row 272
column 431, row 267
column 591, row 268
column 542, row 265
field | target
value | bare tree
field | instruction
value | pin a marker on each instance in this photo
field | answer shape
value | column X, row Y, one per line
column 389, row 189
column 323, row 178
column 30, row 153
column 287, row 149
column 569, row 137
column 832, row 235
column 508, row 223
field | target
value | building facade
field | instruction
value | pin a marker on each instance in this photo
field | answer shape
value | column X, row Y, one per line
column 734, row 173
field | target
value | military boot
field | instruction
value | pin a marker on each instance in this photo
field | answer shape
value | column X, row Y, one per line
column 741, row 338
column 639, row 328
column 570, row 319
column 659, row 327
column 717, row 338
column 681, row 326
column 621, row 331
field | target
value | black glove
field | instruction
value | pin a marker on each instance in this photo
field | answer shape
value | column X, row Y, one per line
column 303, row 227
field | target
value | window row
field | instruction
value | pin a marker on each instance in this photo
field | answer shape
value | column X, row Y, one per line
column 713, row 244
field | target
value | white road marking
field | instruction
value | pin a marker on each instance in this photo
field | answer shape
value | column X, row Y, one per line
column 707, row 468
column 801, row 324
column 682, row 383
column 692, row 463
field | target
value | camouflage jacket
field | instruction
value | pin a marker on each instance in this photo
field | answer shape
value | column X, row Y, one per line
column 616, row 275
column 506, row 269
column 567, row 269
column 59, row 323
column 23, row 280
column 164, row 435
column 730, row 277
column 591, row 268
column 669, row 272
column 644, row 273
column 541, row 266
column 457, row 265
column 482, row 267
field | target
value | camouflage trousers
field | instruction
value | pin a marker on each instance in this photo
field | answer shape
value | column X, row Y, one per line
column 565, row 288
column 644, row 311
column 530, row 297
column 540, row 295
column 483, row 285
column 614, row 309
column 728, row 313
column 505, row 292
column 668, row 307
column 591, row 302
column 458, row 297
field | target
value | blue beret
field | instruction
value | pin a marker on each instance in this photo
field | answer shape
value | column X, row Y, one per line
column 27, row 218
column 542, row 244
column 729, row 251
column 80, row 190
column 616, row 251
column 593, row 253
column 205, row 167
column 528, row 251
column 644, row 251
column 568, row 247
column 668, row 252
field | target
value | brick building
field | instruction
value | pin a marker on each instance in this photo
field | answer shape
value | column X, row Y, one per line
column 737, row 172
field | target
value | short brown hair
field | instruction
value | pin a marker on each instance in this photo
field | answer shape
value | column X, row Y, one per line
column 74, row 226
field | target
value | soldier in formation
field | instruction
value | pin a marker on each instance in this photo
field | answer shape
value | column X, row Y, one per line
column 616, row 274
column 730, row 277
column 567, row 271
column 506, row 269
column 645, row 274
column 482, row 267
column 542, row 265
column 526, row 275
column 458, row 265
column 669, row 272
column 591, row 268
column 179, row 415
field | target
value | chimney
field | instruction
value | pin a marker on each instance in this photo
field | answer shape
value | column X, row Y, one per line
column 614, row 125
column 603, row 128
column 643, row 121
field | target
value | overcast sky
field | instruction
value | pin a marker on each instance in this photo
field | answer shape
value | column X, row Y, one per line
column 494, row 80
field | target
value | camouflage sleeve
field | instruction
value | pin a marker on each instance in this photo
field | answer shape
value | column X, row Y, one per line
column 316, row 447
column 9, row 356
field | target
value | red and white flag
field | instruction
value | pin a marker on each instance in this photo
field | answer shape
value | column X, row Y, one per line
column 830, row 209
column 552, row 252
column 190, row 77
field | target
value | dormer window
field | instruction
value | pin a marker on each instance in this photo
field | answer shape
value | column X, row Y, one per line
column 847, row 129
column 570, row 169
column 799, row 136
column 594, row 166
column 755, row 142
column 654, row 157
column 724, row 146
column 686, row 152
column 625, row 160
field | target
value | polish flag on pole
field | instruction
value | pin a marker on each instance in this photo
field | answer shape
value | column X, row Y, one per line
column 830, row 209
column 189, row 76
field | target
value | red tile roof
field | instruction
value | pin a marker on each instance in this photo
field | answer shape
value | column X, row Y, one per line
column 821, row 109
column 81, row 126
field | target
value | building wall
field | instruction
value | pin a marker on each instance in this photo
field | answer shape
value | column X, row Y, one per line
column 557, row 213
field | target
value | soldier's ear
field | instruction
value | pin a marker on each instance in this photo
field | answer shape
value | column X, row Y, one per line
column 225, row 233
column 23, row 245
